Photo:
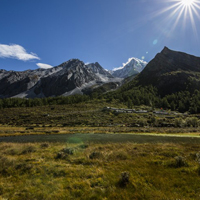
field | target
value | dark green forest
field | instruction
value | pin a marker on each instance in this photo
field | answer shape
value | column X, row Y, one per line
column 60, row 100
column 129, row 94
column 182, row 101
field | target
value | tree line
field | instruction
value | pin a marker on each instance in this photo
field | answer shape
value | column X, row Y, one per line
column 182, row 101
column 128, row 94
column 60, row 100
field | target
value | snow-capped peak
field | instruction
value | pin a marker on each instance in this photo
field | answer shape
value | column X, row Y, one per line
column 131, row 67
column 130, row 60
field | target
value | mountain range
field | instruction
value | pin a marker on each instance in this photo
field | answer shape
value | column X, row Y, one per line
column 170, row 72
column 68, row 78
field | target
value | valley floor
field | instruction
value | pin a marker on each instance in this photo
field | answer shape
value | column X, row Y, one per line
column 99, row 171
column 91, row 117
column 101, row 154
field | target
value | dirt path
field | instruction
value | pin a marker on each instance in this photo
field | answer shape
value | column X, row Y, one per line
column 101, row 138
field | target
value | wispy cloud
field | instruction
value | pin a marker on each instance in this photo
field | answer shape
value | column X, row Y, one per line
column 17, row 52
column 44, row 66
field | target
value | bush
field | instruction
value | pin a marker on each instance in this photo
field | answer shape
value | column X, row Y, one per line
column 95, row 155
column 180, row 162
column 68, row 151
column 28, row 149
column 198, row 157
column 64, row 153
column 142, row 122
column 198, row 170
column 118, row 155
column 7, row 165
column 179, row 122
column 192, row 121
column 83, row 146
column 44, row 145
column 61, row 155
column 124, row 179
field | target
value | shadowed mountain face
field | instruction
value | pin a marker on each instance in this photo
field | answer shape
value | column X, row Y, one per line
column 59, row 80
column 13, row 83
column 71, row 77
column 171, row 72
column 99, row 70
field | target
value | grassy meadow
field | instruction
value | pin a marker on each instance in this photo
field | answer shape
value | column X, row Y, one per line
column 88, row 170
column 89, row 117
column 99, row 171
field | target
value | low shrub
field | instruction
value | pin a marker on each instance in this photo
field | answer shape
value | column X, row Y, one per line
column 198, row 170
column 192, row 121
column 28, row 149
column 124, row 179
column 198, row 157
column 44, row 145
column 69, row 151
column 64, row 153
column 178, row 162
column 83, row 146
column 61, row 155
column 95, row 155
column 118, row 155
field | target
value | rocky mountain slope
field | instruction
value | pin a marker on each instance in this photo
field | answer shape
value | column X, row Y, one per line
column 99, row 71
column 71, row 77
column 171, row 72
column 133, row 67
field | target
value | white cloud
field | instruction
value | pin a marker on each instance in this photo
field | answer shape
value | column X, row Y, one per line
column 44, row 66
column 17, row 52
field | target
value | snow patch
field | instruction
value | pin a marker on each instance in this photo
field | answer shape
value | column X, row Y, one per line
column 128, row 62
column 69, row 76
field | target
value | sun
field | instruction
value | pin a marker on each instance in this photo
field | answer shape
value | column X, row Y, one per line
column 187, row 2
column 180, row 12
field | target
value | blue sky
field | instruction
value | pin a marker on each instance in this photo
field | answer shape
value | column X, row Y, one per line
column 105, row 31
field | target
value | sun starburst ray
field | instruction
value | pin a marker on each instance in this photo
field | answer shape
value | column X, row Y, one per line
column 193, row 21
column 178, row 18
column 176, row 10
column 196, row 12
column 166, row 10
column 186, row 12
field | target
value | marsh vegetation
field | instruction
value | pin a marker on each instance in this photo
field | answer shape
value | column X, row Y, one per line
column 99, row 171
column 82, row 169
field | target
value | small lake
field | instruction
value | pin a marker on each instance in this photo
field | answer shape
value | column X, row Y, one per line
column 100, row 138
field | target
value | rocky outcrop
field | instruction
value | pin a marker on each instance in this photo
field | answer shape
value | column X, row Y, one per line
column 13, row 83
column 99, row 70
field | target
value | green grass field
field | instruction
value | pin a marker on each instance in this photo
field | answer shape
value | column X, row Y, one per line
column 88, row 170
column 91, row 118
column 95, row 171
